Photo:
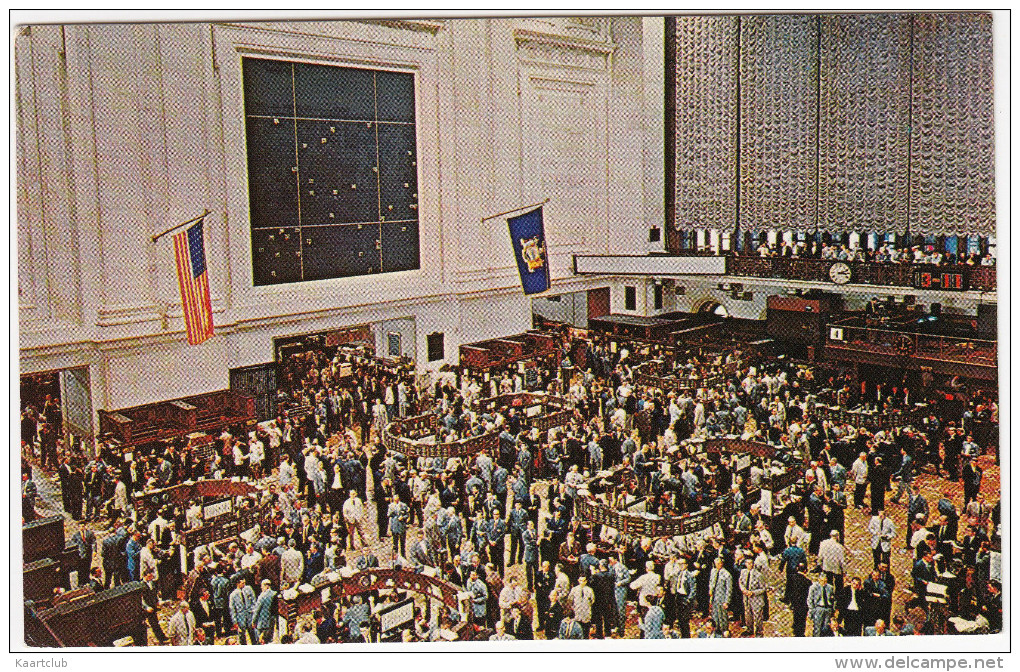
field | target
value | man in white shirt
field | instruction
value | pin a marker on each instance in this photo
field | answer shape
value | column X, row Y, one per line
column 193, row 516
column 762, row 531
column 920, row 534
column 669, row 440
column 820, row 477
column 794, row 534
column 582, row 599
column 120, row 498
column 674, row 410
column 354, row 514
column 882, row 532
column 275, row 436
column 292, row 565
column 859, row 473
column 157, row 526
column 511, row 594
column 250, row 558
column 181, row 628
column 671, row 580
column 286, row 475
column 402, row 398
column 573, row 480
column 307, row 637
column 256, row 454
column 501, row 634
column 619, row 418
column 147, row 562
column 485, row 466
column 647, row 584
column 381, row 416
column 832, row 558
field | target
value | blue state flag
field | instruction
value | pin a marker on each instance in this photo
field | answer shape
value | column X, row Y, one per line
column 527, row 235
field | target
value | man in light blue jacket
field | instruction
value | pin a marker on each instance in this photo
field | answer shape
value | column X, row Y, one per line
column 621, row 574
column 264, row 612
column 242, row 607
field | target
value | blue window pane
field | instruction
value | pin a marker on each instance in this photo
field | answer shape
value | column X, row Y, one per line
column 268, row 90
column 951, row 244
column 331, row 92
column 272, row 182
column 395, row 96
column 324, row 175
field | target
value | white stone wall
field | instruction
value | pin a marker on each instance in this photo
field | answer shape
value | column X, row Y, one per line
column 125, row 130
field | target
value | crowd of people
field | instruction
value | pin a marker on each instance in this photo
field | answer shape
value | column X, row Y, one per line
column 884, row 253
column 504, row 527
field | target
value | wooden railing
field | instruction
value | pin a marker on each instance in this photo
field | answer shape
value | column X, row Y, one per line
column 718, row 512
column 555, row 412
column 290, row 608
column 981, row 278
column 971, row 351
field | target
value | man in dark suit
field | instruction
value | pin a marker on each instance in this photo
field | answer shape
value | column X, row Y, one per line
column 93, row 485
column 890, row 585
column 686, row 592
column 878, row 476
column 798, row 591
column 150, row 605
column 971, row 476
column 202, row 608
column 519, row 625
column 834, row 630
column 945, row 536
column 922, row 574
column 29, row 428
column 85, row 540
column 220, row 585
column 315, row 563
column 111, row 546
column 603, row 583
column 916, row 504
column 95, row 581
column 556, row 529
column 953, row 448
column 325, row 626
column 64, row 473
column 544, row 582
column 852, row 602
column 517, row 522
column 816, row 519
column 991, row 608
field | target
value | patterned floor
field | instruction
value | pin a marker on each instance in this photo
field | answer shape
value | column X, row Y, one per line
column 780, row 623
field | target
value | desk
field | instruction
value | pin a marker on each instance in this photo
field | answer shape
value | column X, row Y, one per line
column 366, row 582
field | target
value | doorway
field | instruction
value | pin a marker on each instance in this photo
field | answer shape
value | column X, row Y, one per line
column 714, row 308
column 56, row 406
column 571, row 308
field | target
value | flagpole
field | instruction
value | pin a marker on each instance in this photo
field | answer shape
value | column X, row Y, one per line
column 204, row 214
column 523, row 207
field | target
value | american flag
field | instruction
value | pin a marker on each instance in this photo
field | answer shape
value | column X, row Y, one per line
column 189, row 250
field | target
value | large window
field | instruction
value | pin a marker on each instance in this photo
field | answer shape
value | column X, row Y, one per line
column 332, row 170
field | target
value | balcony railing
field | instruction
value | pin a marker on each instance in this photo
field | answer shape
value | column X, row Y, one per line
column 972, row 351
column 981, row 278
